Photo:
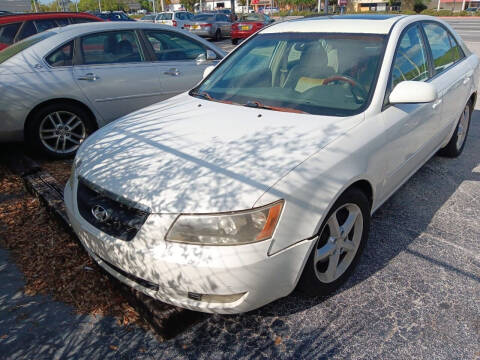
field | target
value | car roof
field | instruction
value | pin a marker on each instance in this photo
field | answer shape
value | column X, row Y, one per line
column 366, row 24
column 9, row 18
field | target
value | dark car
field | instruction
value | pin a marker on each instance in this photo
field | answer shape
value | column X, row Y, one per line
column 114, row 16
column 15, row 27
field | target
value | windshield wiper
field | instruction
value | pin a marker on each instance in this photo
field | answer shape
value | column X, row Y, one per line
column 207, row 96
column 203, row 95
column 259, row 105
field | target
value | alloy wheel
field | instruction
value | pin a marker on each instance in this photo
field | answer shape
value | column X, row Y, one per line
column 338, row 243
column 62, row 132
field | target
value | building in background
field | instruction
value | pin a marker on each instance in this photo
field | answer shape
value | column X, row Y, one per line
column 15, row 5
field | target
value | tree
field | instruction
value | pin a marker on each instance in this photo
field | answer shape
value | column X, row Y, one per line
column 189, row 4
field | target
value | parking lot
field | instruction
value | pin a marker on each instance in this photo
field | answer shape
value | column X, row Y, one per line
column 415, row 293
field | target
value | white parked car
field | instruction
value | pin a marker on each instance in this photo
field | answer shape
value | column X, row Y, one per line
column 176, row 19
column 59, row 86
column 264, row 177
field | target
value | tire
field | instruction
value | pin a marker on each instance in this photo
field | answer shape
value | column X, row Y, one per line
column 316, row 279
column 57, row 125
column 457, row 142
column 234, row 41
column 218, row 35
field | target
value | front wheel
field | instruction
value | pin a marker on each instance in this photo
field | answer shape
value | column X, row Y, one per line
column 457, row 142
column 338, row 246
column 218, row 35
column 59, row 129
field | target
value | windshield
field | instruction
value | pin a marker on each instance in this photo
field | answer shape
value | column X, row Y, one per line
column 164, row 16
column 14, row 49
column 204, row 17
column 316, row 73
column 251, row 17
column 148, row 17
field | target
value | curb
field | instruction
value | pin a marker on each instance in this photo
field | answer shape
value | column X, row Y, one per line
column 166, row 321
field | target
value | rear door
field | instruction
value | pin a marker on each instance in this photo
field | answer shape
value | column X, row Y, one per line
column 111, row 69
column 452, row 77
column 178, row 60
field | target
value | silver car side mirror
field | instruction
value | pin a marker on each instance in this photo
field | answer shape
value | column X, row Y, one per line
column 206, row 56
column 211, row 55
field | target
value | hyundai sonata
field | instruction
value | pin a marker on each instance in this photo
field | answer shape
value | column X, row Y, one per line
column 263, row 178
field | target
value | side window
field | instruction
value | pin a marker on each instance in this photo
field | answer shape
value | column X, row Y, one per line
column 180, row 16
column 457, row 50
column 62, row 21
column 169, row 46
column 410, row 61
column 63, row 56
column 45, row 24
column 442, row 51
column 8, row 32
column 111, row 47
column 28, row 29
column 218, row 18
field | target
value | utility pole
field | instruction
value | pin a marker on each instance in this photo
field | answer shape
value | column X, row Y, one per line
column 154, row 10
column 319, row 6
column 438, row 5
column 326, row 7
column 100, row 5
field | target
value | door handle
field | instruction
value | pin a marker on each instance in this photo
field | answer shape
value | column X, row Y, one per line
column 89, row 77
column 436, row 103
column 172, row 71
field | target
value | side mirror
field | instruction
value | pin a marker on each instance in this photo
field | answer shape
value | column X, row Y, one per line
column 272, row 20
column 208, row 70
column 211, row 55
column 413, row 92
column 206, row 56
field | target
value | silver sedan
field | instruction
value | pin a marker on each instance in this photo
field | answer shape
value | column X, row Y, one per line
column 211, row 25
column 59, row 86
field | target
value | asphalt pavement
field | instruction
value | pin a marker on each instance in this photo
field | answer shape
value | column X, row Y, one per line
column 415, row 293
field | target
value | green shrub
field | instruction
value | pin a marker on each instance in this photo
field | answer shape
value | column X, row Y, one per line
column 419, row 6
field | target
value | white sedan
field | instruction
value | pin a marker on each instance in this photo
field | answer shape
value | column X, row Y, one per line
column 263, row 178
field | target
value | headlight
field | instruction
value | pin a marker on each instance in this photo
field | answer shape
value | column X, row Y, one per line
column 234, row 228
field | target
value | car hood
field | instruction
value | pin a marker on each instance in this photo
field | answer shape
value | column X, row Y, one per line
column 194, row 156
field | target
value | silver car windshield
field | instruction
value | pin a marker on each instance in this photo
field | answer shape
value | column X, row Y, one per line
column 316, row 73
column 14, row 49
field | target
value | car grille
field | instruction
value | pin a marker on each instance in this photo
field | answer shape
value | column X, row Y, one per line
column 105, row 213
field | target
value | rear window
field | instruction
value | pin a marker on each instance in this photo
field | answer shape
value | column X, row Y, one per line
column 22, row 45
column 45, row 24
column 164, row 16
column 204, row 17
column 8, row 32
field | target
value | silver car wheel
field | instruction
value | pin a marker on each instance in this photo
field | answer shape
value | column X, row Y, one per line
column 463, row 127
column 62, row 132
column 338, row 243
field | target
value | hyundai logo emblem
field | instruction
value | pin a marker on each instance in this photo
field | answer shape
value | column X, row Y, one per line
column 100, row 213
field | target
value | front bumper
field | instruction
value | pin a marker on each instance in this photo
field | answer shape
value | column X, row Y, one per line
column 172, row 272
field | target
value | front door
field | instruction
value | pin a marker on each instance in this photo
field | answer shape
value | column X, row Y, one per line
column 179, row 60
column 113, row 73
column 410, row 128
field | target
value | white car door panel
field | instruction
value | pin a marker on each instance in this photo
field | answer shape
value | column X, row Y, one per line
column 452, row 78
column 411, row 129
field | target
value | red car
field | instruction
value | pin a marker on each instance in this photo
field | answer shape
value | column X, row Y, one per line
column 247, row 24
column 16, row 27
